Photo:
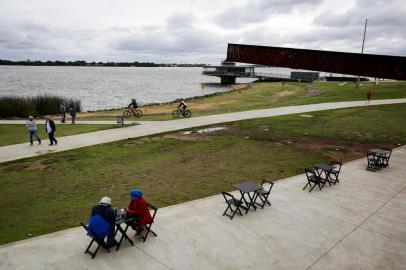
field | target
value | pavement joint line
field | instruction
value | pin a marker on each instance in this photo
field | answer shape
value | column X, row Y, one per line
column 356, row 228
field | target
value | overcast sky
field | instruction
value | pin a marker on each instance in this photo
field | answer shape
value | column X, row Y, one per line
column 193, row 31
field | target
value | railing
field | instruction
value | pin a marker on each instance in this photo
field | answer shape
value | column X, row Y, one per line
column 245, row 74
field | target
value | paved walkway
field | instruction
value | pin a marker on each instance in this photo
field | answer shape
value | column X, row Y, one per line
column 358, row 224
column 18, row 151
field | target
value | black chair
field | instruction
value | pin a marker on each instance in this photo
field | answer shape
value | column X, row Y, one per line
column 263, row 193
column 312, row 177
column 374, row 162
column 149, row 225
column 336, row 170
column 99, row 241
column 385, row 159
column 232, row 202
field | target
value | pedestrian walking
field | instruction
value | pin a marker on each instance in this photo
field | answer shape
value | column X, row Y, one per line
column 50, row 129
column 369, row 95
column 31, row 125
column 62, row 110
column 72, row 112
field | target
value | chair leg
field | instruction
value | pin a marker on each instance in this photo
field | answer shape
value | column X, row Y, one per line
column 88, row 247
column 308, row 183
column 312, row 188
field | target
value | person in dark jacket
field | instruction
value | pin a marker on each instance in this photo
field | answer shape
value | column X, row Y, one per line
column 138, row 208
column 62, row 110
column 50, row 129
column 102, row 221
column 72, row 112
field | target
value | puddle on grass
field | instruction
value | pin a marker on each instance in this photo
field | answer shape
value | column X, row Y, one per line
column 306, row 115
column 203, row 131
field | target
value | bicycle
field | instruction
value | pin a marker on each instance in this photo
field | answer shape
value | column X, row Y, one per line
column 178, row 112
column 131, row 111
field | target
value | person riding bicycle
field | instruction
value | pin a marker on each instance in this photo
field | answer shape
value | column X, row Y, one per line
column 133, row 104
column 182, row 105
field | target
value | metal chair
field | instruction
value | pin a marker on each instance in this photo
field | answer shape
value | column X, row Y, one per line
column 374, row 162
column 385, row 159
column 99, row 241
column 263, row 193
column 336, row 170
column 232, row 202
column 149, row 225
column 312, row 177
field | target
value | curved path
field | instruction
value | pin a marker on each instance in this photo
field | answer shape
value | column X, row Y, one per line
column 18, row 151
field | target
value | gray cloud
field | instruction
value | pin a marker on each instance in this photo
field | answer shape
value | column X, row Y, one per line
column 257, row 11
column 179, row 36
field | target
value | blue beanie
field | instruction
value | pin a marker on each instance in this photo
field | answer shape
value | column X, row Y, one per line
column 135, row 193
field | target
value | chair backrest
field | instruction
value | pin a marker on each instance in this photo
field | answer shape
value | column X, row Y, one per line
column 336, row 164
column 387, row 149
column 89, row 233
column 371, row 155
column 153, row 208
column 309, row 173
column 270, row 183
column 227, row 196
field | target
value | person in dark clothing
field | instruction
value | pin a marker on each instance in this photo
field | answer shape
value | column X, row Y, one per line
column 182, row 105
column 102, row 222
column 62, row 110
column 133, row 104
column 72, row 112
column 50, row 128
column 138, row 208
column 369, row 95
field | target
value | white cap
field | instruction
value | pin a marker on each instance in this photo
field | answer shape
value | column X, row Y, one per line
column 105, row 200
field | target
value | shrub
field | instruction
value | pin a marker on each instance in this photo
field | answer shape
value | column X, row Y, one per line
column 17, row 106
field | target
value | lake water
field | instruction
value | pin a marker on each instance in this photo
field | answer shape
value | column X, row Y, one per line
column 109, row 87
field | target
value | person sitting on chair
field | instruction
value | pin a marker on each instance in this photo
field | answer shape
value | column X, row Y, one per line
column 133, row 104
column 102, row 221
column 138, row 209
column 182, row 105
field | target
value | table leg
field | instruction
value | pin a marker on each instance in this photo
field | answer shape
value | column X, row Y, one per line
column 244, row 200
column 123, row 235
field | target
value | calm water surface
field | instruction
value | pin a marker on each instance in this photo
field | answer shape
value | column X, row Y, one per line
column 109, row 87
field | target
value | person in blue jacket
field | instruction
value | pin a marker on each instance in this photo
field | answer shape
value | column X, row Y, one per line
column 72, row 112
column 102, row 221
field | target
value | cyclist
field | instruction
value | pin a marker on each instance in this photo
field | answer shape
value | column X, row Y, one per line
column 133, row 104
column 182, row 105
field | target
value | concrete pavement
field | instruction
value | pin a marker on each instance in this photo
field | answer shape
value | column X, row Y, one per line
column 18, row 151
column 358, row 224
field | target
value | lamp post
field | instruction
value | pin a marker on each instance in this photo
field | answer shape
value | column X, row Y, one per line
column 363, row 42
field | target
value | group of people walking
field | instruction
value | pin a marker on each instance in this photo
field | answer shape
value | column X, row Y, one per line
column 71, row 110
column 50, row 129
column 50, row 126
column 102, row 219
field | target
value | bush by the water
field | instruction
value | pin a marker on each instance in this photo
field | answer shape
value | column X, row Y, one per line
column 17, row 106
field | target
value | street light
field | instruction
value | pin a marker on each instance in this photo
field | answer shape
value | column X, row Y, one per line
column 363, row 42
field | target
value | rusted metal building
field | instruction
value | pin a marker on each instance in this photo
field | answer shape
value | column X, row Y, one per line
column 369, row 65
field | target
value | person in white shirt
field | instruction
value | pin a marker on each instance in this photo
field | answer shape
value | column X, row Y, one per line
column 32, row 129
column 50, row 129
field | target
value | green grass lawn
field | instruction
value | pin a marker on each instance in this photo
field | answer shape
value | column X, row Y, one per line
column 13, row 134
column 269, row 95
column 53, row 192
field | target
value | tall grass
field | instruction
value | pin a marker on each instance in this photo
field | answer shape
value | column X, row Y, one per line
column 17, row 106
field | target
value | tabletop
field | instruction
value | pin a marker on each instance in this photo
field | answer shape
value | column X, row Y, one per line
column 324, row 167
column 247, row 187
column 121, row 216
column 380, row 151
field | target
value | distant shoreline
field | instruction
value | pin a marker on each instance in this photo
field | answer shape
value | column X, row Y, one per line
column 81, row 63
